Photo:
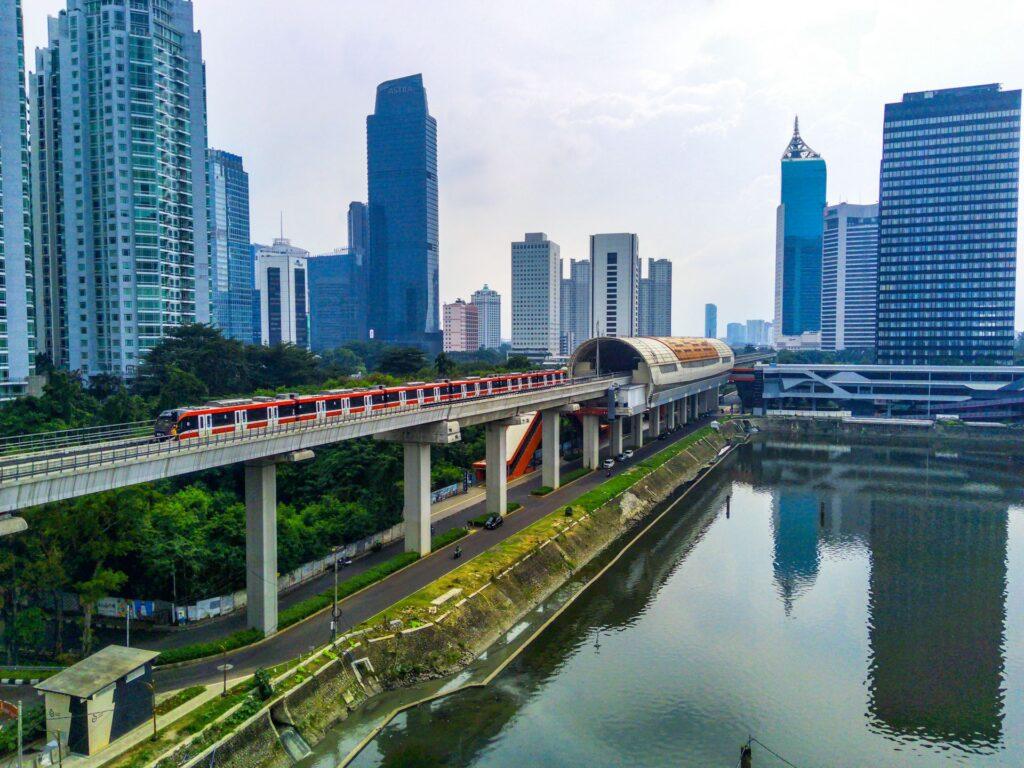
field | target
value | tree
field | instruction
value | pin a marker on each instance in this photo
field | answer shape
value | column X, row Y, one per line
column 282, row 365
column 202, row 351
column 518, row 363
column 340, row 362
column 443, row 364
column 181, row 388
column 104, row 582
column 402, row 361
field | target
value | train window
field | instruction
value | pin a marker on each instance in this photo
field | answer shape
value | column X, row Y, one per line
column 284, row 410
column 190, row 422
column 334, row 404
column 223, row 419
column 306, row 407
column 257, row 414
column 391, row 396
column 377, row 398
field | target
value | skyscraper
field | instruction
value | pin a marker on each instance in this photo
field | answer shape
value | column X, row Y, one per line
column 798, row 229
column 575, row 318
column 284, row 293
column 849, row 277
column 401, row 156
column 735, row 334
column 231, row 272
column 336, row 305
column 656, row 299
column 710, row 321
column 615, row 284
column 17, row 310
column 461, row 327
column 119, row 133
column 488, row 306
column 566, row 339
column 536, row 294
column 358, row 228
column 755, row 332
column 947, row 239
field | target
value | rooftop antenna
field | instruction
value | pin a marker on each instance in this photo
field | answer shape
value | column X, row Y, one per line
column 282, row 225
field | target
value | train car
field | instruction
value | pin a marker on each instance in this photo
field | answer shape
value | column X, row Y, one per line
column 221, row 417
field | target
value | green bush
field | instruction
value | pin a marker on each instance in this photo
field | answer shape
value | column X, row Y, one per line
column 448, row 537
column 512, row 507
column 33, row 725
column 201, row 650
column 479, row 520
column 311, row 605
column 575, row 474
column 264, row 687
column 544, row 490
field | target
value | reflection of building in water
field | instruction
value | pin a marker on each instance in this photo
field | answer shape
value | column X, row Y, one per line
column 936, row 529
column 937, row 604
column 795, row 533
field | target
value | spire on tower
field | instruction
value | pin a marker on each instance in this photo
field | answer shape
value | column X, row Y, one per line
column 798, row 149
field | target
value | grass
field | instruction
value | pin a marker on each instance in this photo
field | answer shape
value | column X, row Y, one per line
column 544, row 490
column 28, row 673
column 446, row 538
column 311, row 605
column 201, row 650
column 575, row 474
column 173, row 702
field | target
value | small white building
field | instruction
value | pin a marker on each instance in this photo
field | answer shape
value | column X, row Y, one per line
column 281, row 279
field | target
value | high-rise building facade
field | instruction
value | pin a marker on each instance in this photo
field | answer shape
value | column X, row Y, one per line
column 798, row 230
column 536, row 295
column 849, row 277
column 575, row 309
column 358, row 228
column 461, row 327
column 282, row 282
column 119, row 134
column 710, row 321
column 17, row 310
column 755, row 333
column 947, row 238
column 566, row 339
column 615, row 285
column 735, row 334
column 336, row 307
column 231, row 271
column 656, row 299
column 401, row 156
column 488, row 306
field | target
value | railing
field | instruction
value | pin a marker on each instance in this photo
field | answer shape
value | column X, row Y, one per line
column 30, row 465
column 65, row 438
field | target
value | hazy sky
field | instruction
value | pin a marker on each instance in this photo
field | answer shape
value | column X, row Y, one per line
column 662, row 118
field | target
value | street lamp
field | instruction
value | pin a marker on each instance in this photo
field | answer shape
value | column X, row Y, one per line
column 334, row 608
column 224, row 669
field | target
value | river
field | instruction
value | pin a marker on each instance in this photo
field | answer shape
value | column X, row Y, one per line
column 845, row 606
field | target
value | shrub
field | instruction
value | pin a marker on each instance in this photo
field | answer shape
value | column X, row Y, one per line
column 478, row 521
column 512, row 507
column 173, row 702
column 200, row 650
column 264, row 688
column 575, row 474
column 544, row 490
column 448, row 537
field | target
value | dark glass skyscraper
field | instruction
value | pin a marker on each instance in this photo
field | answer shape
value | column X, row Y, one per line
column 231, row 269
column 948, row 226
column 336, row 312
column 798, row 240
column 401, row 156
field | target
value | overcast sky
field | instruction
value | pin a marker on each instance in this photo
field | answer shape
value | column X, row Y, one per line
column 662, row 118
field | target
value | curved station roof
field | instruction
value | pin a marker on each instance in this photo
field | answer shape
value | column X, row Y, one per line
column 658, row 361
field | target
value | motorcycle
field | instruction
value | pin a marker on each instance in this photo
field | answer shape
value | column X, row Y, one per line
column 457, row 553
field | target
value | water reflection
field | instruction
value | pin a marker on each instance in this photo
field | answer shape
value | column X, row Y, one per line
column 935, row 528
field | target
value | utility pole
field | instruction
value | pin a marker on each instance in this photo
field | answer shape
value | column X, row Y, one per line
column 334, row 609
column 20, row 745
column 128, row 626
column 152, row 693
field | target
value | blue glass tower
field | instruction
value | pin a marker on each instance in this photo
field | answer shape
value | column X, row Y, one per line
column 947, row 239
column 798, row 240
column 336, row 308
column 401, row 157
column 231, row 269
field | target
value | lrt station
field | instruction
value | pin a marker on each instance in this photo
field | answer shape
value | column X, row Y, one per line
column 611, row 383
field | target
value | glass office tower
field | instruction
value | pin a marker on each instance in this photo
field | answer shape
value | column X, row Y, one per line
column 948, row 226
column 337, row 313
column 711, row 321
column 17, row 288
column 798, row 240
column 401, row 157
column 231, row 269
column 119, row 114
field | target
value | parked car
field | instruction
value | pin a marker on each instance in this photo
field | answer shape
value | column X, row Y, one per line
column 620, row 457
column 663, row 436
column 627, row 454
column 494, row 521
column 608, row 463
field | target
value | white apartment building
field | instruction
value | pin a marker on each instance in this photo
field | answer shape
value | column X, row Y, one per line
column 615, row 284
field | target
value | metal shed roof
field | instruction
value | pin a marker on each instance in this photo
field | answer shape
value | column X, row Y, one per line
column 96, row 672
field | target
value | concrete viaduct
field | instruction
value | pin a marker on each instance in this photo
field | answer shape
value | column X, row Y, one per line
column 612, row 379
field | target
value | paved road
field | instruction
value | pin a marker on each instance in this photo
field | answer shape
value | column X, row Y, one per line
column 314, row 632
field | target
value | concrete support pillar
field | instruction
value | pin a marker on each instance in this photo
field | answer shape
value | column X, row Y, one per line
column 261, row 545
column 670, row 414
column 681, row 411
column 713, row 405
column 551, row 448
column 616, row 428
column 496, row 455
column 654, row 416
column 694, row 412
column 638, row 431
column 416, row 509
column 591, row 441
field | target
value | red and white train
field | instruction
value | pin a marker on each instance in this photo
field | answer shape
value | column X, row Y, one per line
column 227, row 416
